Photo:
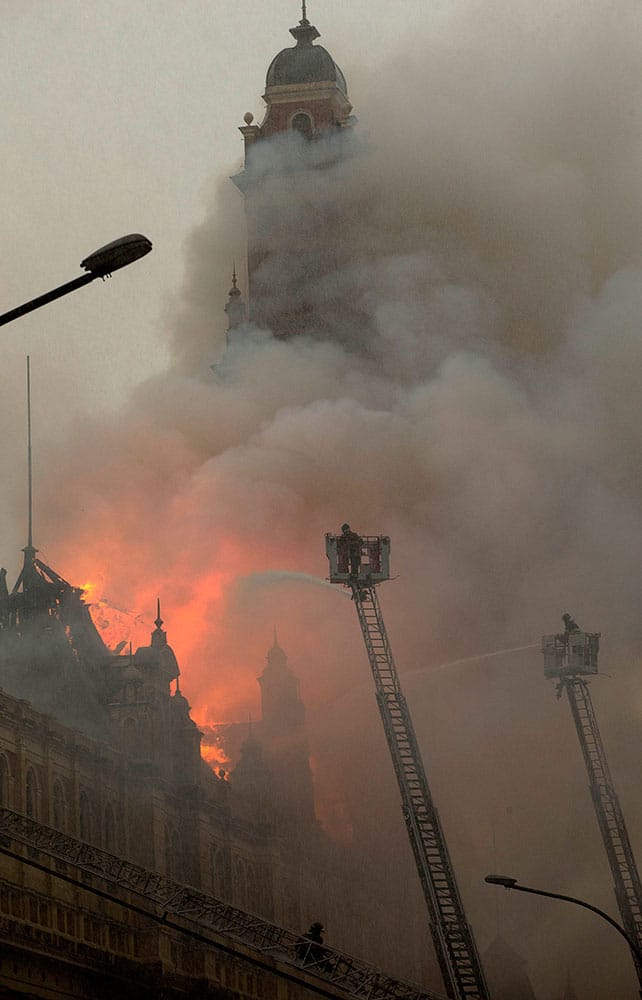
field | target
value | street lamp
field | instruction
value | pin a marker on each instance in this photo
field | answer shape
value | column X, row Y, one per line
column 511, row 883
column 99, row 264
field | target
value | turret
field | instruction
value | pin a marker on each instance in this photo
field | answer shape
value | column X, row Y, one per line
column 284, row 738
column 152, row 723
column 290, row 247
column 281, row 705
column 252, row 782
column 234, row 308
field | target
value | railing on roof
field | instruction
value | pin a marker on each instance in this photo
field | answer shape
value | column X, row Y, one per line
column 351, row 975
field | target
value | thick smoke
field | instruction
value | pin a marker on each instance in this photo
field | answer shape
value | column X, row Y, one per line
column 475, row 396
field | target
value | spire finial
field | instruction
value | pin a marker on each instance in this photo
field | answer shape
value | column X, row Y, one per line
column 234, row 307
column 235, row 291
column 304, row 18
column 159, row 638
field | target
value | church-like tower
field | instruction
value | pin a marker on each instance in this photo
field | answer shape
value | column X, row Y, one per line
column 285, row 741
column 284, row 182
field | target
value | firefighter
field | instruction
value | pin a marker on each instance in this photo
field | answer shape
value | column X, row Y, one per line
column 307, row 949
column 353, row 543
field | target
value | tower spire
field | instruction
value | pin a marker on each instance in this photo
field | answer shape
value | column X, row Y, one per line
column 304, row 18
column 159, row 637
column 28, row 576
column 235, row 307
column 29, row 465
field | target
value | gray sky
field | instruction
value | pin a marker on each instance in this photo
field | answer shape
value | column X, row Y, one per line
column 118, row 118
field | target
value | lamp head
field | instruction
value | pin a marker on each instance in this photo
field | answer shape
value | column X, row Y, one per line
column 504, row 880
column 119, row 253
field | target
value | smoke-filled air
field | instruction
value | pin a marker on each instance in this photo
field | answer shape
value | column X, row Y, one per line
column 469, row 387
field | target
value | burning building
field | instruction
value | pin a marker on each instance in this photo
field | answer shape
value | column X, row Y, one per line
column 101, row 746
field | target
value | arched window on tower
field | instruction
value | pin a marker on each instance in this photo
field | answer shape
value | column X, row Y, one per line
column 59, row 807
column 221, row 874
column 252, row 890
column 84, row 817
column 239, row 883
column 302, row 123
column 110, row 828
column 174, row 866
column 5, row 776
column 31, row 794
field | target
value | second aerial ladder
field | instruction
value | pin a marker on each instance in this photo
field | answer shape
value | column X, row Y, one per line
column 569, row 657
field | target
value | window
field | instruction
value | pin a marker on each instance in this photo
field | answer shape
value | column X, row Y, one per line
column 173, row 853
column 5, row 776
column 220, row 872
column 85, row 817
column 59, row 809
column 31, row 794
column 252, row 889
column 110, row 829
column 240, row 883
column 302, row 123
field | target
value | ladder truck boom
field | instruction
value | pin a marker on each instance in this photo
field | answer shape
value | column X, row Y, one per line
column 360, row 563
column 569, row 657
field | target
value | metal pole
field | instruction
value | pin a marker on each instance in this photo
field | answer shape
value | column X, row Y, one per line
column 42, row 300
column 29, row 465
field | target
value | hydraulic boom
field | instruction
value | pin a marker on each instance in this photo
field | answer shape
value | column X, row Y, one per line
column 360, row 563
column 569, row 657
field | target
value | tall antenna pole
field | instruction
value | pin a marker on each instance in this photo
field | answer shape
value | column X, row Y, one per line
column 29, row 466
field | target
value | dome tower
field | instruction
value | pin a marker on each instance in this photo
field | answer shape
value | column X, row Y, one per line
column 284, row 181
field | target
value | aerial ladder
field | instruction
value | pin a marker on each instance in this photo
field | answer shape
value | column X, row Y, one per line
column 570, row 657
column 324, row 970
column 360, row 563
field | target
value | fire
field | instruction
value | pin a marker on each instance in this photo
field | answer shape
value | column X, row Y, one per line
column 213, row 750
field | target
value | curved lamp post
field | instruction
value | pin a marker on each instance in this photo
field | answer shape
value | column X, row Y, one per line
column 99, row 264
column 511, row 883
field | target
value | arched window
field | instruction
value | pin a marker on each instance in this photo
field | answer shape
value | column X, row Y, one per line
column 252, row 899
column 130, row 734
column 174, row 865
column 31, row 794
column 221, row 875
column 110, row 828
column 84, row 816
column 218, row 872
column 5, row 776
column 240, row 883
column 302, row 123
column 59, row 807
